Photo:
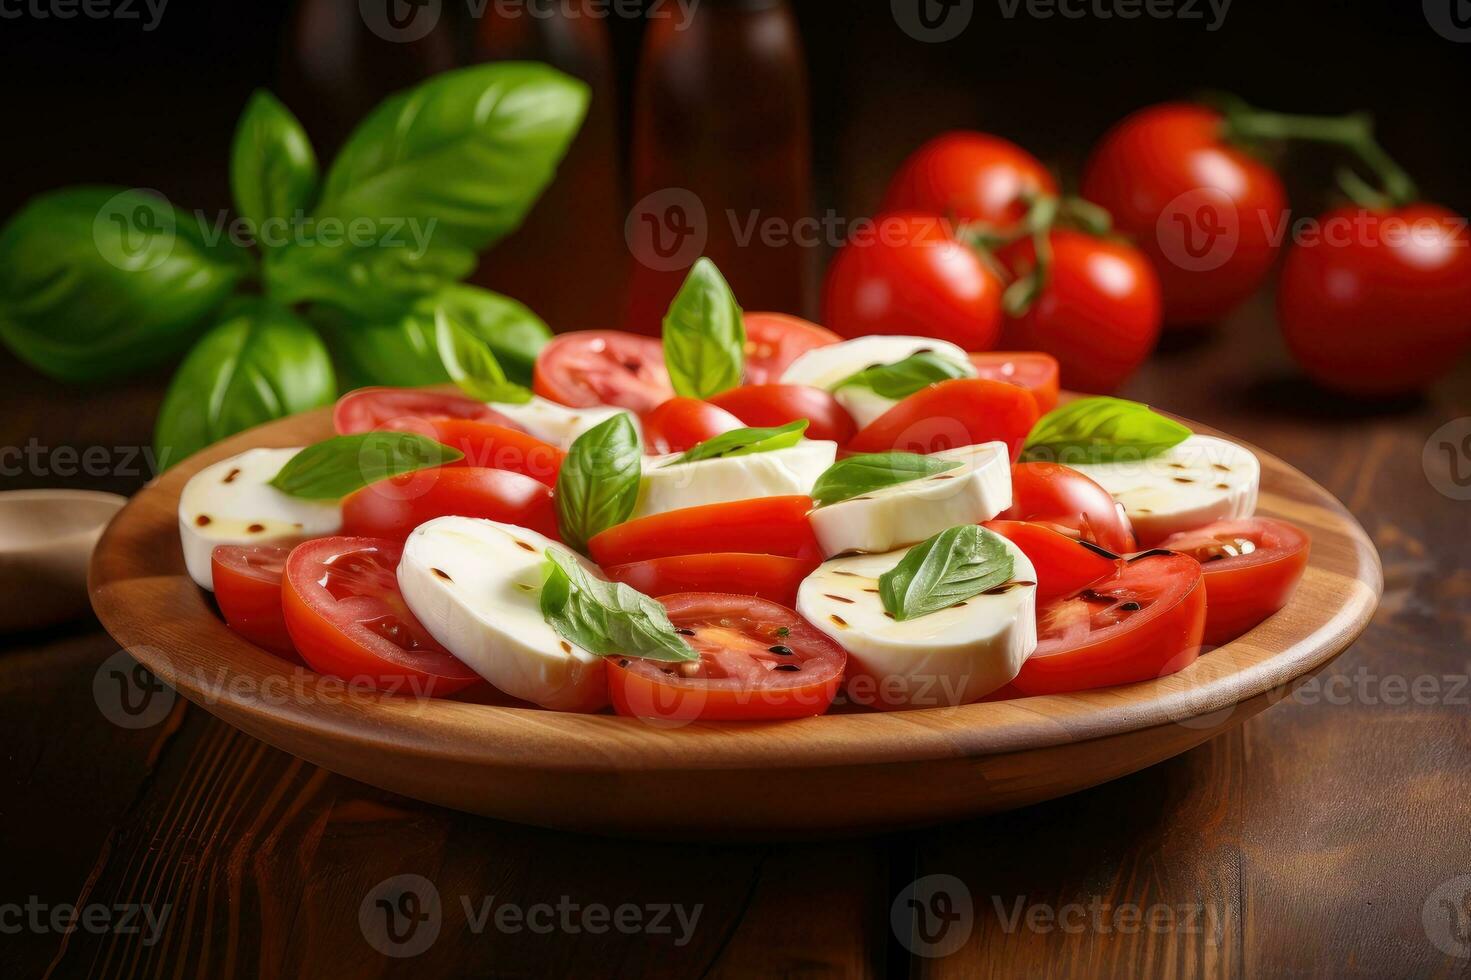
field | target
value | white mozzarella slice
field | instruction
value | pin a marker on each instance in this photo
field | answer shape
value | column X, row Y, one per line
column 558, row 424
column 476, row 587
column 953, row 656
column 825, row 367
column 1201, row 480
column 862, row 404
column 668, row 485
column 233, row 502
column 908, row 513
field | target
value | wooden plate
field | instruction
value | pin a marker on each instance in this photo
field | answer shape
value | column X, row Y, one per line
column 606, row 774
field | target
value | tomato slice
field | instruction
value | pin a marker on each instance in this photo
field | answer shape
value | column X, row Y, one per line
column 764, row 525
column 347, row 618
column 758, row 661
column 1030, row 369
column 393, row 507
column 489, row 445
column 951, row 414
column 374, row 408
column 683, row 423
column 1251, row 569
column 247, row 581
column 603, row 367
column 775, row 340
column 1067, row 501
column 1063, row 564
column 761, row 405
column 1144, row 621
column 771, row 577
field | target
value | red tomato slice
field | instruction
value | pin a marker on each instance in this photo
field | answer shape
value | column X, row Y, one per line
column 393, row 507
column 758, row 661
column 248, row 590
column 603, row 367
column 1251, row 568
column 951, row 414
column 374, row 408
column 775, row 340
column 1033, row 370
column 761, row 405
column 1064, row 564
column 1143, row 622
column 764, row 525
column 348, row 619
column 770, row 577
column 683, row 423
column 1067, row 501
column 493, row 446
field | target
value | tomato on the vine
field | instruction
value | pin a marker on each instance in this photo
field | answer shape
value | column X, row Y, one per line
column 970, row 177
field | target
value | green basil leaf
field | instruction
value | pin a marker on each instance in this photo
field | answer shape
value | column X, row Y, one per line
column 260, row 363
column 744, row 442
column 273, row 171
column 955, row 565
column 334, row 468
column 903, row 378
column 514, row 334
column 704, row 335
column 374, row 281
column 598, row 484
column 866, row 472
column 606, row 617
column 471, row 365
column 1101, row 430
column 100, row 282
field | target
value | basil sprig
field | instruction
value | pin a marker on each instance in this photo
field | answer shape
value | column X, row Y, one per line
column 334, row 468
column 955, row 565
column 1101, row 430
column 903, row 378
column 744, row 442
column 597, row 486
column 606, row 617
column 704, row 335
column 471, row 363
column 866, row 472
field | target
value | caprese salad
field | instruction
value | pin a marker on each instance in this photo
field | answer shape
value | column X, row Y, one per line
column 744, row 519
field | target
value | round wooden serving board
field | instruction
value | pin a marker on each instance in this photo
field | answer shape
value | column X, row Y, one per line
column 605, row 774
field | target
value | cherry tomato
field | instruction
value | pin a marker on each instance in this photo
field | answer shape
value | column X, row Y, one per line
column 367, row 409
column 247, row 581
column 1380, row 302
column 1143, row 622
column 1064, row 564
column 1098, row 314
column 969, row 176
column 488, row 445
column 907, row 275
column 393, row 507
column 776, row 404
column 771, row 577
column 1067, row 501
column 1032, row 370
column 1208, row 214
column 775, row 340
column 1251, row 568
column 962, row 412
column 603, row 367
column 347, row 618
column 758, row 661
column 764, row 525
column 683, row 423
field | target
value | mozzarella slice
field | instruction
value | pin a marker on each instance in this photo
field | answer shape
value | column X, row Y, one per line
column 1203, row 479
column 953, row 656
column 557, row 424
column 908, row 513
column 476, row 586
column 233, row 502
column 826, row 367
column 670, row 486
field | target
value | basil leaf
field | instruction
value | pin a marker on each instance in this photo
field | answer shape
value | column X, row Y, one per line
column 471, row 365
column 374, row 281
column 260, row 363
column 866, row 472
column 704, row 335
column 1101, row 430
column 598, row 484
column 273, row 171
column 744, row 442
column 903, row 378
column 334, row 468
column 606, row 617
column 99, row 282
column 514, row 334
column 953, row 566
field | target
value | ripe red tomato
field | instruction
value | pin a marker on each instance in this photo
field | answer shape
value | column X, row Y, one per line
column 1063, row 564
column 969, row 176
column 347, row 618
column 1143, row 622
column 909, row 276
column 603, row 367
column 248, row 590
column 763, row 525
column 393, row 507
column 1032, row 370
column 367, row 409
column 488, row 445
column 961, row 412
column 771, row 577
column 1380, row 303
column 758, row 661
column 1208, row 214
column 1098, row 314
column 683, row 423
column 1251, row 568
column 764, row 405
column 775, row 340
column 1067, row 501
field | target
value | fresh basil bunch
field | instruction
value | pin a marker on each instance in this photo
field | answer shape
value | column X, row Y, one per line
column 100, row 282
